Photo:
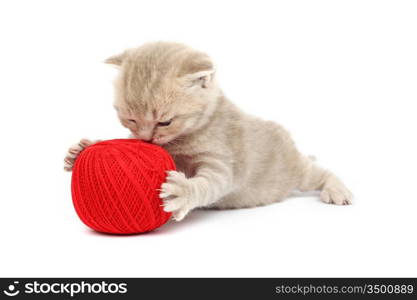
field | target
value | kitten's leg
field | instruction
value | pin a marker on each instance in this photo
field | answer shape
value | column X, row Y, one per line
column 317, row 178
column 212, row 181
column 74, row 151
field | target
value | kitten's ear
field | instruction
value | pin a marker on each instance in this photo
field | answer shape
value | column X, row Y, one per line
column 201, row 78
column 116, row 59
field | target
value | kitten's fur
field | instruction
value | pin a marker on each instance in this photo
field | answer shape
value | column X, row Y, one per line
column 225, row 158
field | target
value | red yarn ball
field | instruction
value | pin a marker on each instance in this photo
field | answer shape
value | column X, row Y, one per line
column 115, row 186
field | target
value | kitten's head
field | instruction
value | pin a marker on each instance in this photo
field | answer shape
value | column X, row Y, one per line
column 164, row 90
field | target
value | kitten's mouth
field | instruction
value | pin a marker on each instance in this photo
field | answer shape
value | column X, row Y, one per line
column 155, row 140
column 160, row 141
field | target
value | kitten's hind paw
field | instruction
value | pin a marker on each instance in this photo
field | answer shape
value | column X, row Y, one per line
column 335, row 192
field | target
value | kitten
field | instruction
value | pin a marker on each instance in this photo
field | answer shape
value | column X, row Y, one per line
column 166, row 93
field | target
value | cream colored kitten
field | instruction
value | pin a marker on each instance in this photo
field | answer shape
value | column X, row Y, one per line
column 166, row 93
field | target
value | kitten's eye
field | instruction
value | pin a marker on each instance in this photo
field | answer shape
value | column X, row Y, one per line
column 167, row 123
column 132, row 121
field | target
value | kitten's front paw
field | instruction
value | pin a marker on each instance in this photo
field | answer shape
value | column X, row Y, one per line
column 175, row 193
column 336, row 193
column 73, row 153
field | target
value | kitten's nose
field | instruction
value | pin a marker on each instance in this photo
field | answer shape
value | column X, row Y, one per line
column 145, row 135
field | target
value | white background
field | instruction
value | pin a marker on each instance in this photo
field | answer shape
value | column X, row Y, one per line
column 340, row 75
